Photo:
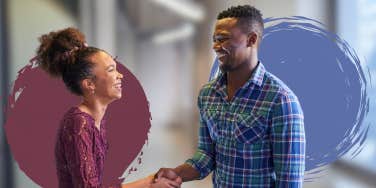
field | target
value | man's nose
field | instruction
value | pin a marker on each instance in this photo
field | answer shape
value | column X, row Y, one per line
column 216, row 46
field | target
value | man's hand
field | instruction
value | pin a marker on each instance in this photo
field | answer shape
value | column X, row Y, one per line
column 182, row 173
column 168, row 173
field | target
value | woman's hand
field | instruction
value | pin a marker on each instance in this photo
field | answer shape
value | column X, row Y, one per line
column 152, row 182
column 166, row 183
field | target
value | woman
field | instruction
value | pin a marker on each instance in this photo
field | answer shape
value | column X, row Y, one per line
column 81, row 140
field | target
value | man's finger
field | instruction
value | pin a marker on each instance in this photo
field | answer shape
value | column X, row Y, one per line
column 170, row 174
column 160, row 173
column 179, row 180
column 173, row 183
column 170, row 183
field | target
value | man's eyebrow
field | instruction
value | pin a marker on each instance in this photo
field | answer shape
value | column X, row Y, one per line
column 221, row 34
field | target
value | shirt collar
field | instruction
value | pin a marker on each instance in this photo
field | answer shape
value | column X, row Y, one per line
column 257, row 76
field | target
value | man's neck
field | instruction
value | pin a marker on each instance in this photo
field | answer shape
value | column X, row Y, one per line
column 237, row 78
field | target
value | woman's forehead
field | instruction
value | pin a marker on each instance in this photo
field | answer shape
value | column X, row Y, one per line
column 103, row 59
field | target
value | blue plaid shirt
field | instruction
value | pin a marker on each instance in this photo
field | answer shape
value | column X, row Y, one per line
column 255, row 140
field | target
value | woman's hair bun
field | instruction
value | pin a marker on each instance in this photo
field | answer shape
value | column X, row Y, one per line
column 58, row 49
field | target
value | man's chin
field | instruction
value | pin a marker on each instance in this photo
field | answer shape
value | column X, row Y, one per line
column 224, row 68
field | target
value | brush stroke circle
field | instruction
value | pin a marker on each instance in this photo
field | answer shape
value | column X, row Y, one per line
column 326, row 75
column 38, row 103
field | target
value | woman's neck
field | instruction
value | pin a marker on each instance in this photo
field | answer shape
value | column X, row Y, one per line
column 95, row 109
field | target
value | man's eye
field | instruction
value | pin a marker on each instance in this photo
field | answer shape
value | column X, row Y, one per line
column 220, row 39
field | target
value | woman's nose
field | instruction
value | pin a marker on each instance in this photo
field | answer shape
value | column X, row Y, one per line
column 120, row 76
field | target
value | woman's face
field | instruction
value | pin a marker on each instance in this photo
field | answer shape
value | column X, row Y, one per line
column 107, row 81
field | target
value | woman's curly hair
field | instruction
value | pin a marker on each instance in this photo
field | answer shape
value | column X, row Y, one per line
column 64, row 54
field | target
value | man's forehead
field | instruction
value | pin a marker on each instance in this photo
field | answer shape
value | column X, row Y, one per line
column 225, row 25
column 226, row 22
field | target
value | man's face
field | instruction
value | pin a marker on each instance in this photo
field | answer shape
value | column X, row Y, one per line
column 230, row 44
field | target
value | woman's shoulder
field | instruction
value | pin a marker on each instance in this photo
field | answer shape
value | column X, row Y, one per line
column 75, row 120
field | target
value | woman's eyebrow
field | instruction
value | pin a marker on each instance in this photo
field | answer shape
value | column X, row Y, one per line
column 110, row 66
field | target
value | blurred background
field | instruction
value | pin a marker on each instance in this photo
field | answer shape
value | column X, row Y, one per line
column 167, row 46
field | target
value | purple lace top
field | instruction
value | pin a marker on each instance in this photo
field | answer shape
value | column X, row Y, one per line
column 80, row 151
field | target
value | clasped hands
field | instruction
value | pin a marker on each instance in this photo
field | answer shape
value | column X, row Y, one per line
column 166, row 178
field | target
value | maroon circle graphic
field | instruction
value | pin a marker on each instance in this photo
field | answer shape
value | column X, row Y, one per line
column 36, row 106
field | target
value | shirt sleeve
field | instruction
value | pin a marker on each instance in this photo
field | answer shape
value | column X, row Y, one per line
column 79, row 154
column 288, row 142
column 204, row 158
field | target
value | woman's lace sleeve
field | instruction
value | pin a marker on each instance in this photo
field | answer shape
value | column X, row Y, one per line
column 78, row 148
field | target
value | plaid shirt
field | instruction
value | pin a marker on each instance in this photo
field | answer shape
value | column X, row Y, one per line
column 255, row 140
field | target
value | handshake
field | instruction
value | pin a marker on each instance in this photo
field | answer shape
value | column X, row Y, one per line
column 166, row 178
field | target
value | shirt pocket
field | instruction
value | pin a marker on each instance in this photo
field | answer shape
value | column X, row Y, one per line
column 211, row 119
column 249, row 128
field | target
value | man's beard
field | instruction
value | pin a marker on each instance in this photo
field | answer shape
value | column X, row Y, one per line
column 225, row 67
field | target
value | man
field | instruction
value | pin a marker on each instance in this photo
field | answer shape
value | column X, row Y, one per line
column 251, row 124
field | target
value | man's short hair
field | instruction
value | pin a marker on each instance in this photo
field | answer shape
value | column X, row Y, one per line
column 249, row 18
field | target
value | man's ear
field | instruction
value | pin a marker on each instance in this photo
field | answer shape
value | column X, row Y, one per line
column 252, row 39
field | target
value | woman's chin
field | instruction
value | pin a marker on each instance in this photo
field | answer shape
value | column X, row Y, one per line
column 118, row 96
column 114, row 97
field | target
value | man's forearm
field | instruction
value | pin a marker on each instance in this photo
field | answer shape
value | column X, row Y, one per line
column 187, row 172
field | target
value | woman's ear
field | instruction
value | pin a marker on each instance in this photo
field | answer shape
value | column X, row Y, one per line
column 88, row 85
